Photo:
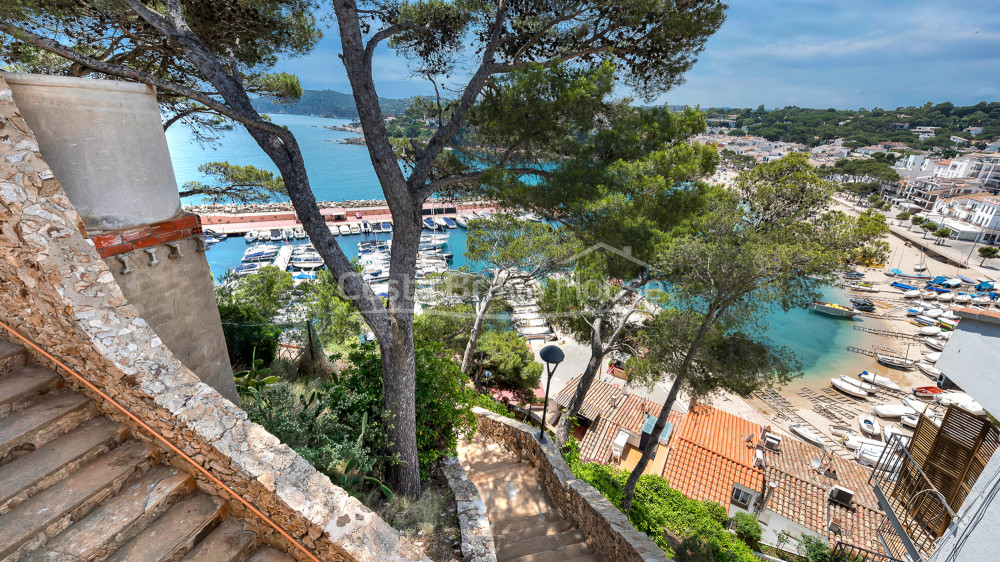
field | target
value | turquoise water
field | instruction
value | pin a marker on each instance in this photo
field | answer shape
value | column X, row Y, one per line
column 343, row 172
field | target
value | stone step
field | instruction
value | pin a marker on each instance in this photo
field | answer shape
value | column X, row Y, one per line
column 54, row 461
column 592, row 557
column 474, row 452
column 22, row 386
column 41, row 422
column 268, row 554
column 229, row 542
column 539, row 544
column 511, row 493
column 538, row 530
column 579, row 550
column 175, row 532
column 117, row 520
column 29, row 525
column 12, row 357
column 516, row 524
column 486, row 467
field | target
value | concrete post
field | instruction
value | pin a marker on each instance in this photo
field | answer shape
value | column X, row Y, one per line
column 105, row 143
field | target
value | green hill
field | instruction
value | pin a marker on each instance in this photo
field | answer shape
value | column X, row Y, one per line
column 328, row 103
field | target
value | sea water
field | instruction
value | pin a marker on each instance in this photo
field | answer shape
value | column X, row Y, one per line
column 340, row 172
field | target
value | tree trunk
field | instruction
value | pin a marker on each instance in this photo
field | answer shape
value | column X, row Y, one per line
column 651, row 445
column 399, row 401
column 477, row 326
column 586, row 379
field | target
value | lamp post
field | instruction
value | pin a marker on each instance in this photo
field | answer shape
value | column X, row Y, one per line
column 552, row 356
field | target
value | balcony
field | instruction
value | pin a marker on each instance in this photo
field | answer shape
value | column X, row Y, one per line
column 916, row 512
column 850, row 553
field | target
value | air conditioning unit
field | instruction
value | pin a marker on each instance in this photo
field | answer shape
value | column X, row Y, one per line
column 772, row 441
column 843, row 496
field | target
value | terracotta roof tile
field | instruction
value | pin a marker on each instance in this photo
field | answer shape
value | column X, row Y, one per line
column 596, row 444
column 702, row 474
column 611, row 402
column 795, row 458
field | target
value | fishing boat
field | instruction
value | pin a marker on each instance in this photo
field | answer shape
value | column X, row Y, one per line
column 926, row 392
column 875, row 378
column 932, row 357
column 386, row 226
column 934, row 343
column 894, row 361
column 928, row 369
column 911, row 294
column 429, row 224
column 299, row 232
column 250, row 236
column 833, row 309
column 869, row 425
column 910, row 421
column 344, row 230
column 893, row 410
column 865, row 386
column 848, row 388
column 449, row 222
column 807, row 434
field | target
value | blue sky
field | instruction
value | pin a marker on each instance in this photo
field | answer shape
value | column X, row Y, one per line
column 810, row 53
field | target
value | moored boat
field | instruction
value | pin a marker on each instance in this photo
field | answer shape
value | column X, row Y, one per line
column 848, row 388
column 865, row 386
column 386, row 226
column 449, row 222
column 893, row 361
column 807, row 434
column 911, row 294
column 430, row 225
column 299, row 232
column 875, row 378
column 926, row 392
column 833, row 309
column 928, row 369
column 288, row 233
column 869, row 425
column 893, row 410
column 344, row 230
column 250, row 236
column 354, row 227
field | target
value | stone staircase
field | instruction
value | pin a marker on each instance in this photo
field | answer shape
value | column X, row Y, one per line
column 75, row 486
column 526, row 527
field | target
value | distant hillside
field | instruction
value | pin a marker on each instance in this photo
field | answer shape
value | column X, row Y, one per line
column 327, row 103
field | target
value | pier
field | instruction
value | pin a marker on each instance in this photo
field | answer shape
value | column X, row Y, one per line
column 887, row 333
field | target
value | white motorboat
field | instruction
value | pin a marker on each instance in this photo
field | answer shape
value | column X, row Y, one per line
column 833, row 309
column 932, row 357
column 910, row 421
column 462, row 220
column 263, row 236
column 250, row 236
column 333, row 229
column 259, row 252
column 288, row 233
column 893, row 410
column 344, row 230
column 896, row 362
column 875, row 378
column 366, row 227
column 354, row 228
column 807, row 434
column 300, row 233
column 934, row 343
column 869, row 425
column 928, row 369
column 863, row 385
column 959, row 399
column 440, row 222
column 848, row 388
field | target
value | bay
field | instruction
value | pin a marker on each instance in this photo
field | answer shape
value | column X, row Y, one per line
column 341, row 172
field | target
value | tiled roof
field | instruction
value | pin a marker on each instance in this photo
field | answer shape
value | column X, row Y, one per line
column 807, row 504
column 708, row 455
column 596, row 444
column 631, row 413
column 610, row 401
column 703, row 474
column 795, row 457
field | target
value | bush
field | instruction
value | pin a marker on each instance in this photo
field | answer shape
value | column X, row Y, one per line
column 814, row 549
column 747, row 529
column 716, row 511
column 487, row 402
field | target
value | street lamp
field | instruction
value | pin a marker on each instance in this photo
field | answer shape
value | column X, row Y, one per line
column 552, row 356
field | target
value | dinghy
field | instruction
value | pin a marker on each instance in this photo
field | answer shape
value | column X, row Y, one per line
column 890, row 430
column 842, row 430
column 910, row 420
column 928, row 369
column 926, row 392
column 848, row 388
column 893, row 410
column 911, row 294
column 879, row 380
column 934, row 343
column 933, row 357
column 893, row 361
column 868, row 425
column 807, row 434
column 865, row 386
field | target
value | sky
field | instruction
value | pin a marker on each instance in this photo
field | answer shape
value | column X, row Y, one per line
column 809, row 53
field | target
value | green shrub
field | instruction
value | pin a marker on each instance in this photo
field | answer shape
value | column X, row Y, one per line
column 747, row 529
column 716, row 511
column 487, row 402
column 814, row 549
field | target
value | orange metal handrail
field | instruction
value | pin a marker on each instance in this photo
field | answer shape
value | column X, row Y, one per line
column 163, row 439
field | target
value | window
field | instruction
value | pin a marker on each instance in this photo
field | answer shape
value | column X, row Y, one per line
column 741, row 496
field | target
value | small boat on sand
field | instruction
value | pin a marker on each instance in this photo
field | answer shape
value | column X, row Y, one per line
column 932, row 357
column 893, row 410
column 874, row 378
column 868, row 425
column 911, row 294
column 930, row 330
column 945, row 297
column 926, row 392
column 896, row 362
column 848, row 388
column 910, row 421
column 855, row 441
column 833, row 309
column 890, row 430
column 934, row 343
column 807, row 434
column 865, row 386
column 842, row 430
column 870, row 455
column 928, row 369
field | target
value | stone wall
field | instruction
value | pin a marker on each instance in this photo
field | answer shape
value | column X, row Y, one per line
column 56, row 290
column 605, row 526
column 477, row 537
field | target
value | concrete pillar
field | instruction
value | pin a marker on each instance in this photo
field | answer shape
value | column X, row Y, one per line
column 105, row 143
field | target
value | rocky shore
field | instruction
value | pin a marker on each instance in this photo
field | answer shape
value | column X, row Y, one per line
column 286, row 206
column 358, row 141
